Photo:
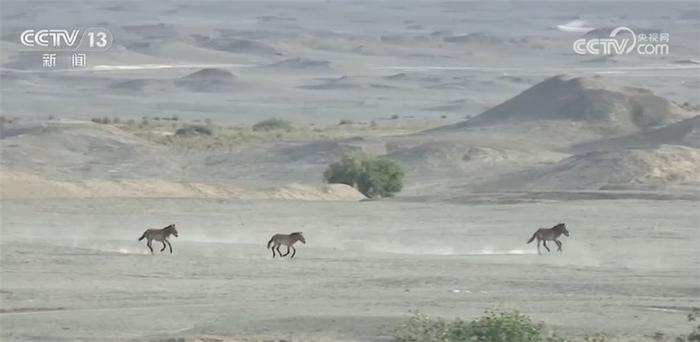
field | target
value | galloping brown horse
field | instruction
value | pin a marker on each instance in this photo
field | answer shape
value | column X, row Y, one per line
column 549, row 234
column 285, row 239
column 159, row 235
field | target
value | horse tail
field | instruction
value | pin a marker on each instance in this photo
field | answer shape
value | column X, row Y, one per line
column 270, row 242
column 532, row 238
column 142, row 236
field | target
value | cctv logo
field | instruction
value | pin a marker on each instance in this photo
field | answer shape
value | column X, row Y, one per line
column 89, row 39
column 50, row 38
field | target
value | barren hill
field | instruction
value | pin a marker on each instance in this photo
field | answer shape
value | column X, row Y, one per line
column 686, row 132
column 665, row 166
column 77, row 149
column 591, row 100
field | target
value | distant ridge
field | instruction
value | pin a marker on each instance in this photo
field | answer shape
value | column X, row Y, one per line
column 582, row 99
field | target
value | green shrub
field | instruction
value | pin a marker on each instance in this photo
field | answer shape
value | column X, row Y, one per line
column 372, row 177
column 380, row 178
column 272, row 124
column 492, row 327
column 346, row 171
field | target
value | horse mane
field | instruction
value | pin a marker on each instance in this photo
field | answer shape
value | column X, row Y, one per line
column 295, row 233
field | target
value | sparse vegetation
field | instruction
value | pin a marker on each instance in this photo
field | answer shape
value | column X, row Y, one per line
column 502, row 327
column 395, row 117
column 345, row 122
column 193, row 130
column 226, row 136
column 492, row 327
column 272, row 124
column 373, row 177
column 105, row 120
column 689, row 106
column 694, row 335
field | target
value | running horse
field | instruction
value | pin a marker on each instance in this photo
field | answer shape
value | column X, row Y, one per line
column 285, row 239
column 159, row 235
column 549, row 234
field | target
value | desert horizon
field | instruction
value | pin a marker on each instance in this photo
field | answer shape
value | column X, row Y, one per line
column 416, row 146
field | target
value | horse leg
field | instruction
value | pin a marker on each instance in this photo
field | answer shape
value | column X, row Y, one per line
column 559, row 245
column 273, row 252
column 169, row 246
column 544, row 243
column 538, row 246
column 285, row 254
column 293, row 253
column 278, row 251
column 162, row 249
column 148, row 244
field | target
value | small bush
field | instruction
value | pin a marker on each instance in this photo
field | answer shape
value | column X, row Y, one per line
column 372, row 177
column 492, row 327
column 345, row 122
column 346, row 171
column 116, row 121
column 193, row 130
column 394, row 117
column 272, row 124
column 106, row 121
column 694, row 335
column 381, row 178
column 175, row 118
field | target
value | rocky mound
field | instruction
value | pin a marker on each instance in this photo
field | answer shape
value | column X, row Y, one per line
column 588, row 100
column 77, row 149
column 628, row 169
column 686, row 132
column 450, row 159
column 208, row 80
column 301, row 64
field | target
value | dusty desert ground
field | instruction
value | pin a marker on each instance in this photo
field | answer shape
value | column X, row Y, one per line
column 73, row 271
column 499, row 127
